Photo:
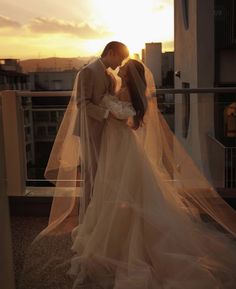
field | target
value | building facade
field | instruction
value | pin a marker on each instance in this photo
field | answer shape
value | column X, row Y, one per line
column 43, row 118
column 11, row 75
column 152, row 57
column 205, row 57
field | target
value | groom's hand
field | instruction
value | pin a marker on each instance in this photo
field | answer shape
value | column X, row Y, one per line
column 112, row 115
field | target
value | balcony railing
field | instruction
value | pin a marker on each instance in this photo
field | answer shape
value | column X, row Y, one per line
column 24, row 124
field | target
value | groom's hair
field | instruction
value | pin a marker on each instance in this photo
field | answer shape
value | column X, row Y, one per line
column 116, row 47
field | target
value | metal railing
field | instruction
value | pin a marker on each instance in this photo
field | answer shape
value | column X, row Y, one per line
column 230, row 167
column 15, row 140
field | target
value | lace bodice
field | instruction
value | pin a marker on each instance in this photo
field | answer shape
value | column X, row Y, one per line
column 122, row 109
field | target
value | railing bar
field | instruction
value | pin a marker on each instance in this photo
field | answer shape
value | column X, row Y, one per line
column 215, row 140
column 226, row 168
column 231, row 168
column 45, row 180
column 48, row 109
column 234, row 184
column 197, row 90
column 158, row 91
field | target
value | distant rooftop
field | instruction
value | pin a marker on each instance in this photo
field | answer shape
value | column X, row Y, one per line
column 10, row 64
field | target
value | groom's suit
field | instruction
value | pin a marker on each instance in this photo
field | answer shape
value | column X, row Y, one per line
column 93, row 83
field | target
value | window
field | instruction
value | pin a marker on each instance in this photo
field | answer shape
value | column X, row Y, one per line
column 230, row 120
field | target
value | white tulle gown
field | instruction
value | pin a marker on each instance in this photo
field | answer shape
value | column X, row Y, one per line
column 135, row 237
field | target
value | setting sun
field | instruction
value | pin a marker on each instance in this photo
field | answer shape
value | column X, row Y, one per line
column 82, row 29
column 136, row 22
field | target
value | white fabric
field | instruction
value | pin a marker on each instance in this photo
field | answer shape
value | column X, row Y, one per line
column 134, row 237
column 122, row 109
column 143, row 228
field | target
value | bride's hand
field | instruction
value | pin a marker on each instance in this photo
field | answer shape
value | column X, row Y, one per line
column 112, row 115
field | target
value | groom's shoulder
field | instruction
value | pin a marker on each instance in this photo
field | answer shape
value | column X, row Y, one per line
column 90, row 69
column 92, row 65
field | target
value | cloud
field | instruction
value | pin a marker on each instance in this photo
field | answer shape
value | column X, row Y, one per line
column 43, row 25
column 6, row 22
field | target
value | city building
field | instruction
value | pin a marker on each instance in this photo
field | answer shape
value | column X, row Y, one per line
column 162, row 66
column 168, row 69
column 43, row 118
column 152, row 57
column 11, row 75
column 52, row 80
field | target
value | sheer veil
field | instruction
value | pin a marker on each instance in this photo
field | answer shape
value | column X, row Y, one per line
column 184, row 182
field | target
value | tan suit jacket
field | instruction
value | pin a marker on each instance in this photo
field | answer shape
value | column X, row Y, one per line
column 93, row 83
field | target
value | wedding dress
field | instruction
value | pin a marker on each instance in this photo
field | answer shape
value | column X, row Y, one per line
column 153, row 222
column 133, row 236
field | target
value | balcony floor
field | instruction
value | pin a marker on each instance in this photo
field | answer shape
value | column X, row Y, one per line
column 29, row 215
column 24, row 230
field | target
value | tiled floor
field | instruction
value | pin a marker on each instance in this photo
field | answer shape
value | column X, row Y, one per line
column 24, row 229
column 44, row 264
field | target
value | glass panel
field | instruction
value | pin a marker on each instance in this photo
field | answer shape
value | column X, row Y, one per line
column 210, row 140
column 42, row 119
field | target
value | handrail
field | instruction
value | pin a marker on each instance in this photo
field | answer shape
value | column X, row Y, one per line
column 158, row 91
column 197, row 90
column 216, row 141
column 14, row 128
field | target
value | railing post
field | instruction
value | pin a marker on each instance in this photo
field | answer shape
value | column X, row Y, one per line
column 6, row 259
column 13, row 143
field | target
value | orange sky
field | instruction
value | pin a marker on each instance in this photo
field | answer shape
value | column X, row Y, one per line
column 33, row 29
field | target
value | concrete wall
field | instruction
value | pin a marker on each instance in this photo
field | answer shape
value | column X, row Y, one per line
column 194, row 59
column 6, row 263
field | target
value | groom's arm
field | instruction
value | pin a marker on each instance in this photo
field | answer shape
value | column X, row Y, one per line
column 85, row 92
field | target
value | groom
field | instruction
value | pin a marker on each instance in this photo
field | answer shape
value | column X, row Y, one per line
column 93, row 83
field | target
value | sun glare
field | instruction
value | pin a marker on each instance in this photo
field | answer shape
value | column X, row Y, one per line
column 135, row 22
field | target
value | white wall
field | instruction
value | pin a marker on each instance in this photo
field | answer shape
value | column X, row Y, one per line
column 194, row 58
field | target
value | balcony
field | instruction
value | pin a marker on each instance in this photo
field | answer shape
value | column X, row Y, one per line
column 28, row 128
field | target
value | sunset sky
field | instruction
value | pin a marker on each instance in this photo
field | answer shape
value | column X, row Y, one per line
column 45, row 28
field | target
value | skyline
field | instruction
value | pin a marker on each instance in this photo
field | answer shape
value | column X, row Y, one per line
column 51, row 29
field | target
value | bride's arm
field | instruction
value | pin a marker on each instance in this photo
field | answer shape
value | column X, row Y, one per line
column 118, row 103
column 118, row 109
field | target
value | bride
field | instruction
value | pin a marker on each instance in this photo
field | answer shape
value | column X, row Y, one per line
column 154, row 221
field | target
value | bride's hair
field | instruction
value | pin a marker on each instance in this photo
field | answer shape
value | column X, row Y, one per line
column 136, row 83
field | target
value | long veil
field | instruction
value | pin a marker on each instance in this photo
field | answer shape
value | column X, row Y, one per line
column 183, row 184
